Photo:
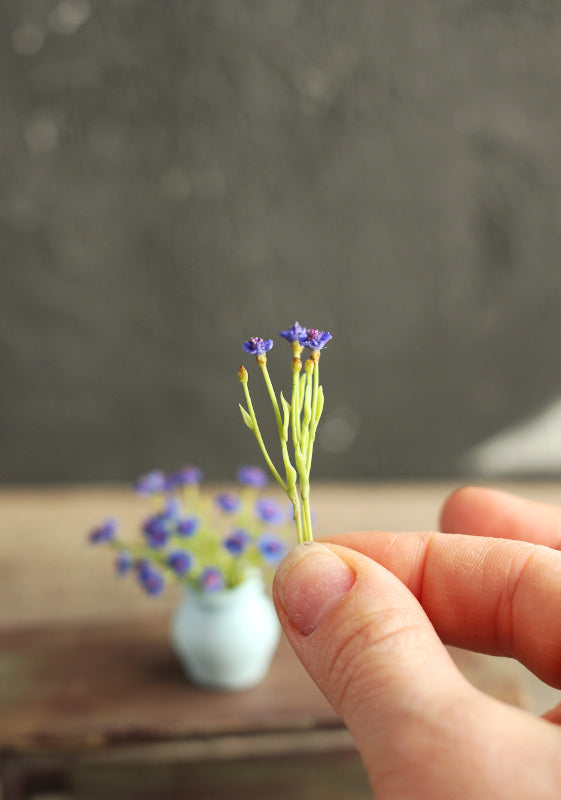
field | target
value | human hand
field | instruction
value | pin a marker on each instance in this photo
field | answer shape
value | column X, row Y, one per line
column 367, row 614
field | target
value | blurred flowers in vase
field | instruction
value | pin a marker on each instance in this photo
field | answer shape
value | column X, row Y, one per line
column 222, row 548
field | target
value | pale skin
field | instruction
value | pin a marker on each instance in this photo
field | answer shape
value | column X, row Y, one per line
column 368, row 613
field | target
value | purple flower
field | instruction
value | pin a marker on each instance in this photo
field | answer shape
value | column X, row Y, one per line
column 269, row 510
column 156, row 531
column 237, row 541
column 228, row 501
column 295, row 334
column 151, row 579
column 180, row 561
column 186, row 476
column 315, row 339
column 211, row 580
column 252, row 476
column 152, row 483
column 141, row 566
column 105, row 532
column 272, row 548
column 187, row 526
column 124, row 562
column 257, row 346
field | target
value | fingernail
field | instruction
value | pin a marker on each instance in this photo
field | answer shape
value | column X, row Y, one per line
column 310, row 583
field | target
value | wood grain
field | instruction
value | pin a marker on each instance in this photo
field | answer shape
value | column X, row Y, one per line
column 73, row 688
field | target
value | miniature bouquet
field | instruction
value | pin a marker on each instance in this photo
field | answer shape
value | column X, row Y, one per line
column 299, row 419
column 219, row 548
column 208, row 543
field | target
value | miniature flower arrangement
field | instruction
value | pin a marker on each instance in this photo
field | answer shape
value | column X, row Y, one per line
column 209, row 543
column 219, row 549
column 299, row 419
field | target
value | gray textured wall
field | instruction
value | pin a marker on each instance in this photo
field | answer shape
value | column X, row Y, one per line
column 179, row 175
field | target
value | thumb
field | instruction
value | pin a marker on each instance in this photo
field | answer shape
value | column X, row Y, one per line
column 367, row 643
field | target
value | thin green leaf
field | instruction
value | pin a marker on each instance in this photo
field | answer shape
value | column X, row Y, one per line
column 300, row 461
column 286, row 420
column 246, row 417
column 320, row 402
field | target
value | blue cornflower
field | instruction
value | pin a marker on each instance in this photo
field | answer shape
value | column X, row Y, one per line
column 187, row 526
column 211, row 580
column 180, row 561
column 152, row 483
column 295, row 334
column 228, row 501
column 269, row 510
column 252, row 476
column 156, row 531
column 272, row 548
column 105, row 532
column 257, row 346
column 236, row 542
column 124, row 562
column 315, row 339
column 151, row 579
column 186, row 476
column 141, row 566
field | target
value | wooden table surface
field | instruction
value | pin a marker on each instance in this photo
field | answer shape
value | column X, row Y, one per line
column 49, row 574
column 78, row 688
column 85, row 660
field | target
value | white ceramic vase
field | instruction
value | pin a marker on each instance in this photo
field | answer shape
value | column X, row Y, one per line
column 226, row 640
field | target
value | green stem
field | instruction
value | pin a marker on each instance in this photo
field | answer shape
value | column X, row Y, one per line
column 304, row 436
column 272, row 395
column 314, row 422
column 295, row 500
column 297, row 404
column 306, row 512
column 295, row 408
column 259, row 438
column 301, row 439
column 301, row 396
column 290, row 487
column 294, row 418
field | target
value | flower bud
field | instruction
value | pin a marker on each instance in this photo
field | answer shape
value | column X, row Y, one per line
column 242, row 374
column 309, row 366
column 296, row 365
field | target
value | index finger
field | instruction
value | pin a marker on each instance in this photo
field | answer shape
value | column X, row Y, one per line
column 487, row 594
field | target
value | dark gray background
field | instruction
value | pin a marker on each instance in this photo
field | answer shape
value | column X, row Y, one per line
column 180, row 175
